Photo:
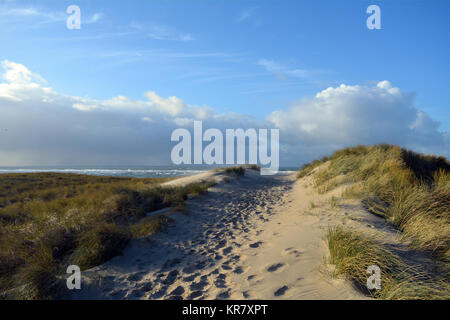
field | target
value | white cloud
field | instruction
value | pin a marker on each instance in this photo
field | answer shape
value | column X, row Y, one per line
column 248, row 14
column 244, row 16
column 281, row 71
column 349, row 115
column 84, row 107
column 43, row 15
column 146, row 119
column 32, row 12
column 46, row 127
column 18, row 73
column 172, row 106
column 94, row 18
column 161, row 32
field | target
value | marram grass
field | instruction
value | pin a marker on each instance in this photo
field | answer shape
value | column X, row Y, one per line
column 352, row 253
column 49, row 221
column 411, row 190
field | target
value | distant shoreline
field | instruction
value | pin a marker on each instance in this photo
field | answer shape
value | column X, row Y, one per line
column 120, row 171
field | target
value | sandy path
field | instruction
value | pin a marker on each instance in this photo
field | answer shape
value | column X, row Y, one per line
column 251, row 238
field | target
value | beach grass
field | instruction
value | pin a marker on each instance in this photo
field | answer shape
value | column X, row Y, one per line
column 408, row 189
column 237, row 171
column 352, row 253
column 50, row 220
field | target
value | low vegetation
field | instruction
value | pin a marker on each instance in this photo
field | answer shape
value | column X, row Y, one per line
column 409, row 189
column 237, row 171
column 352, row 253
column 49, row 221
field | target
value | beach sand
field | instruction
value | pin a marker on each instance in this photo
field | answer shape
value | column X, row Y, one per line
column 252, row 237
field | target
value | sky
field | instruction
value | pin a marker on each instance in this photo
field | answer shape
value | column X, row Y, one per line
column 111, row 92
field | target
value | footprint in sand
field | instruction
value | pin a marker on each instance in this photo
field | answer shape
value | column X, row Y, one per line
column 292, row 251
column 227, row 250
column 238, row 270
column 178, row 291
column 281, row 291
column 146, row 287
column 275, row 267
column 223, row 295
column 194, row 295
column 256, row 244
column 171, row 277
column 191, row 277
column 220, row 281
column 235, row 258
column 135, row 276
column 136, row 293
column 160, row 293
column 195, row 286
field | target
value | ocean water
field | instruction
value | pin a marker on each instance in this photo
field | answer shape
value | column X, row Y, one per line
column 134, row 172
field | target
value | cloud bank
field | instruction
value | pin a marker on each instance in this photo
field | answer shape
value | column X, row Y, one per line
column 39, row 126
column 348, row 115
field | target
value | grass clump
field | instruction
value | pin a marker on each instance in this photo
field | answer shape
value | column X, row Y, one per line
column 99, row 244
column 39, row 276
column 149, row 225
column 49, row 221
column 307, row 168
column 197, row 189
column 352, row 253
column 237, row 171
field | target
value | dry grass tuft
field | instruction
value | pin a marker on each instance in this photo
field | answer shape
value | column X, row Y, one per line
column 353, row 253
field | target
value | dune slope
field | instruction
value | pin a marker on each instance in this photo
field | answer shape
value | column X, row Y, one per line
column 252, row 237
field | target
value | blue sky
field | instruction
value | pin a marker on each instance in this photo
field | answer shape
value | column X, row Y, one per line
column 246, row 57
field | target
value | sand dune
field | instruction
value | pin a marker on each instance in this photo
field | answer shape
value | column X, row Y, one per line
column 254, row 237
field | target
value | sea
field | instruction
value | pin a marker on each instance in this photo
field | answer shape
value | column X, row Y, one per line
column 124, row 171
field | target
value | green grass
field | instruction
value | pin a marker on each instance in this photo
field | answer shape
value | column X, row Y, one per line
column 99, row 244
column 352, row 253
column 149, row 225
column 411, row 190
column 49, row 221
